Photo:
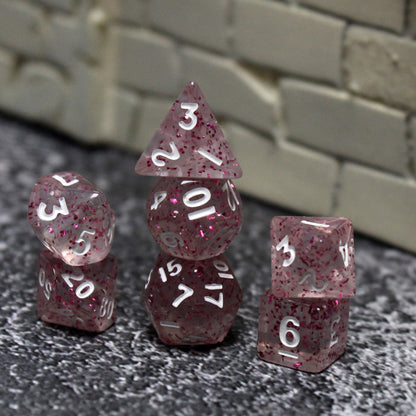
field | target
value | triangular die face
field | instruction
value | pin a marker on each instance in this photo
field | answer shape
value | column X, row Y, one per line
column 189, row 143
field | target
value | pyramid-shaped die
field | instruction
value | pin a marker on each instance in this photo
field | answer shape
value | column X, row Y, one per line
column 312, row 257
column 189, row 143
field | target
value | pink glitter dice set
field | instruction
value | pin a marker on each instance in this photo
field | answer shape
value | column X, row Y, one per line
column 194, row 212
column 303, row 319
column 76, row 276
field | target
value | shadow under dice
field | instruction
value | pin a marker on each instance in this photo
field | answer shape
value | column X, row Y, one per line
column 312, row 257
column 305, row 334
column 81, row 297
column 194, row 219
column 72, row 218
column 192, row 302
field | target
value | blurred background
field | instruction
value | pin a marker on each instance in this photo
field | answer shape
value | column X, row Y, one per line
column 317, row 97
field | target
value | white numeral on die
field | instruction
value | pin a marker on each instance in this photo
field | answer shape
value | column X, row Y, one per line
column 189, row 115
column 83, row 239
column 62, row 209
column 293, row 340
column 334, row 338
column 84, row 290
column 343, row 249
column 45, row 284
column 159, row 196
column 106, row 308
column 173, row 155
column 287, row 249
column 187, row 292
column 196, row 198
column 64, row 182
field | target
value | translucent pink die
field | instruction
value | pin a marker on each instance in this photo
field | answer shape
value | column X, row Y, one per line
column 189, row 143
column 192, row 302
column 194, row 219
column 304, row 334
column 72, row 218
column 312, row 257
column 80, row 297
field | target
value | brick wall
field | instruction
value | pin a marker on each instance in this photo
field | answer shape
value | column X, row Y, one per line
column 317, row 97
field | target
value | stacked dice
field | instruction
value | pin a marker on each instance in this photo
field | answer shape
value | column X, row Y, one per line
column 76, row 276
column 303, row 318
column 193, row 213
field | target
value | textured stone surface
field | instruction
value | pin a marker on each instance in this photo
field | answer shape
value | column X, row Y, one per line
column 189, row 142
column 132, row 11
column 335, row 122
column 299, row 178
column 146, row 61
column 126, row 370
column 304, row 334
column 196, row 21
column 79, row 297
column 21, row 27
column 312, row 257
column 289, row 39
column 379, row 204
column 231, row 90
column 194, row 219
column 192, row 302
column 37, row 91
column 66, row 5
column 122, row 107
column 152, row 112
column 72, row 218
column 388, row 14
column 411, row 19
column 380, row 65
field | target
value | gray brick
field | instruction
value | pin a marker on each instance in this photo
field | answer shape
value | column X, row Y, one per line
column 230, row 90
column 64, row 5
column 7, row 63
column 152, row 114
column 21, row 26
column 83, row 116
column 62, row 38
column 286, row 174
column 411, row 18
column 38, row 92
column 131, row 11
column 381, row 66
column 196, row 21
column 379, row 204
column 147, row 61
column 412, row 144
column 289, row 39
column 387, row 14
column 334, row 122
column 121, row 114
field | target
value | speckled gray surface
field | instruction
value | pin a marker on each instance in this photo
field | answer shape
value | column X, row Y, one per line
column 50, row 370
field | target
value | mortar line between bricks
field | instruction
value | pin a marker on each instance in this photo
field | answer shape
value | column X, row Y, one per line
column 230, row 28
column 337, row 187
column 411, row 165
column 343, row 54
column 406, row 21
